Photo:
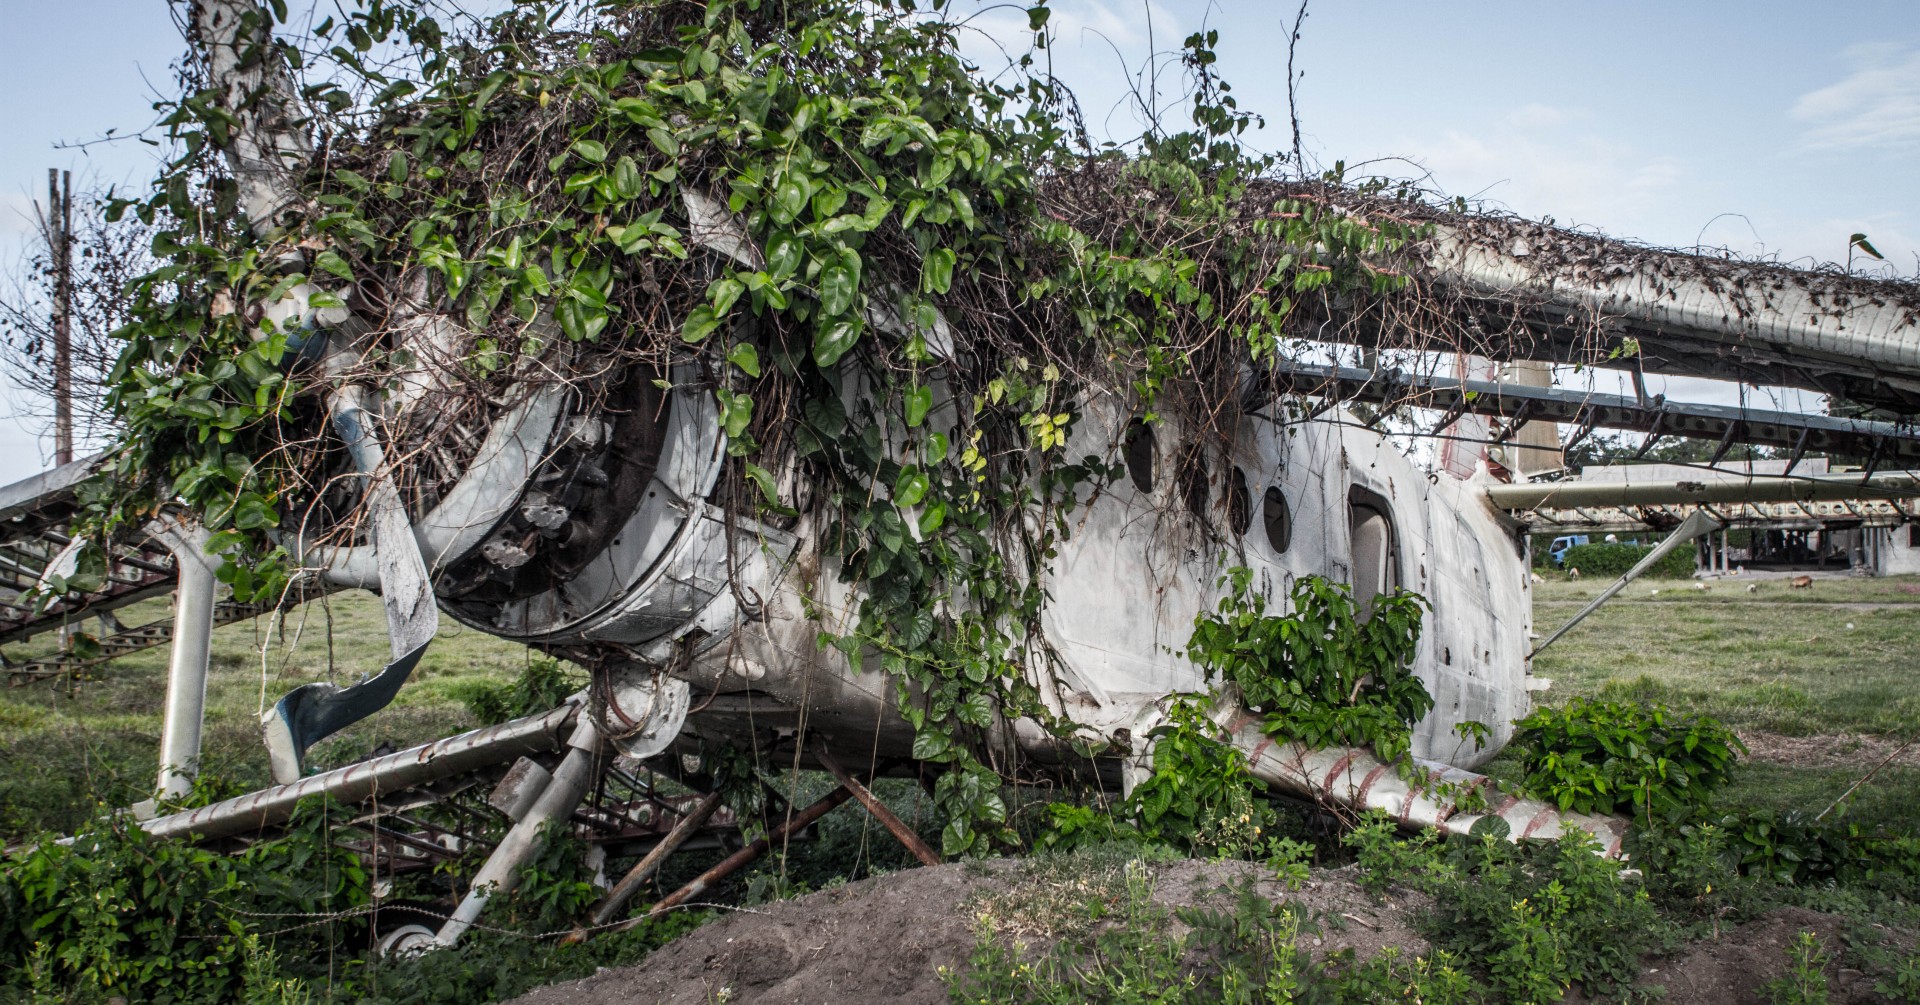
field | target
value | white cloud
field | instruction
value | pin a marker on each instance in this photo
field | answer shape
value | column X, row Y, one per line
column 1530, row 162
column 1535, row 115
column 1877, row 105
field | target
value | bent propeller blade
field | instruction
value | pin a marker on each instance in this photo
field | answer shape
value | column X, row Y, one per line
column 313, row 712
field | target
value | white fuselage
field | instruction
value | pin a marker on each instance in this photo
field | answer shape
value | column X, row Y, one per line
column 738, row 613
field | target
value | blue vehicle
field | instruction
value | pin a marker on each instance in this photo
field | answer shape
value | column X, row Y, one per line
column 1557, row 551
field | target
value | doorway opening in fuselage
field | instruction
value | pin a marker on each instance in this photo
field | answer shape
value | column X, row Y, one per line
column 1373, row 547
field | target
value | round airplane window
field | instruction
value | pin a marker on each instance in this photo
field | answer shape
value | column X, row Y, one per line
column 1239, row 503
column 1137, row 451
column 1279, row 519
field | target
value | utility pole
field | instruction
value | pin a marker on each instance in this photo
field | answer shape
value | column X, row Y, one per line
column 60, row 240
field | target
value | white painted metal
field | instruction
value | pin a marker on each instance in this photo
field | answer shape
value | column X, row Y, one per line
column 501, row 873
column 1799, row 322
column 186, row 700
column 1353, row 777
column 1571, row 494
column 382, row 775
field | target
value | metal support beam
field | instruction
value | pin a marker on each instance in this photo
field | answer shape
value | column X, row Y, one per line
column 192, row 642
column 894, row 825
column 743, row 857
column 624, row 890
column 1699, row 523
column 1517, row 402
column 557, row 802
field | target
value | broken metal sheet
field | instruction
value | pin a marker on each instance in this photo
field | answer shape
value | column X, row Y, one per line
column 469, row 511
column 711, row 226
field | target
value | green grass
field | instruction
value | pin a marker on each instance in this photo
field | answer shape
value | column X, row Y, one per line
column 73, row 746
column 1776, row 661
column 1773, row 661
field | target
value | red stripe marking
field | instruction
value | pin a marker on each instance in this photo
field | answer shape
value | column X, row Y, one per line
column 1339, row 768
column 1366, row 784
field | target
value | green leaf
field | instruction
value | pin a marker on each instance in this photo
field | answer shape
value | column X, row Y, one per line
column 932, row 745
column 590, row 150
column 1037, row 17
column 783, row 254
column 838, row 285
column 736, row 411
column 790, row 197
column 701, row 321
column 936, row 271
column 763, row 478
column 746, row 357
column 832, row 339
column 932, row 515
column 332, row 262
column 626, row 178
column 910, row 487
column 1860, row 241
column 722, row 293
column 919, row 401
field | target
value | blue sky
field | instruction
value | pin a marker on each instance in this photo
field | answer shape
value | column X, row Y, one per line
column 1765, row 126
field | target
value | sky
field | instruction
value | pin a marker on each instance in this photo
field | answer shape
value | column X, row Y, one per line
column 1767, row 127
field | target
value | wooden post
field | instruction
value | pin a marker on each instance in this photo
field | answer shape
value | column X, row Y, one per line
column 623, row 890
column 734, row 862
column 894, row 824
column 60, row 244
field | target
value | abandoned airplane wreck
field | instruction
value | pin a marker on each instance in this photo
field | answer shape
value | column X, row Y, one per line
column 719, row 568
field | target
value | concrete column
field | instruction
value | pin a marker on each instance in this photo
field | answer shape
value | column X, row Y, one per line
column 187, row 668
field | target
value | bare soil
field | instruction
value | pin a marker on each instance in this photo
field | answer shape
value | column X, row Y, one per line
column 1839, row 750
column 884, row 940
column 1734, row 968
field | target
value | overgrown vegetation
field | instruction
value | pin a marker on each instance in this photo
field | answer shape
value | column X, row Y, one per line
column 1328, row 673
column 527, row 180
column 1611, row 756
column 1612, row 560
column 1321, row 674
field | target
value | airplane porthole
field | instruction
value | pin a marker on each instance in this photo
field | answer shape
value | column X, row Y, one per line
column 1137, row 451
column 1239, row 503
column 1278, row 519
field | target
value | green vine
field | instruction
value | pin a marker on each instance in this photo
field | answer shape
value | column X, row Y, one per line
column 526, row 176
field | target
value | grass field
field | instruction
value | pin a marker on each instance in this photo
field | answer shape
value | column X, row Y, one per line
column 70, row 745
column 1820, row 681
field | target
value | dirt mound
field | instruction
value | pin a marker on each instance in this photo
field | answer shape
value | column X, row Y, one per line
column 883, row 940
column 1732, row 969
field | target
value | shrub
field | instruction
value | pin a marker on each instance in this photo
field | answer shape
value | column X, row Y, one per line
column 1323, row 675
column 1541, row 917
column 543, row 685
column 1616, row 559
column 1609, row 756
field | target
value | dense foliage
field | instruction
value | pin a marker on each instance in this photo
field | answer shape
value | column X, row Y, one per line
column 1328, row 673
column 1616, row 559
column 1595, row 756
column 937, row 269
